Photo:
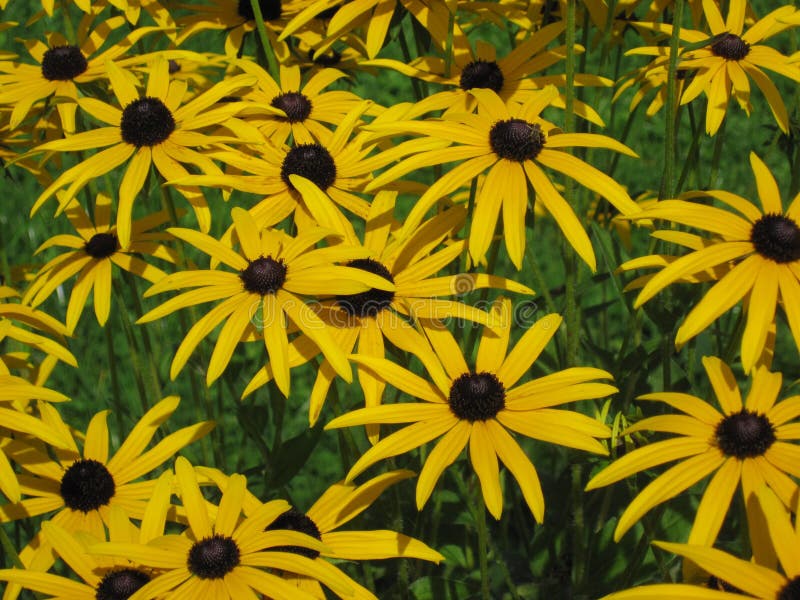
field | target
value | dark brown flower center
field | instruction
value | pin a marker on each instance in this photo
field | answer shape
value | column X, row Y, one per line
column 294, row 520
column 730, row 47
column 102, row 245
column 777, row 238
column 477, row 396
column 311, row 161
column 63, row 63
column 372, row 301
column 121, row 584
column 516, row 140
column 296, row 106
column 745, row 434
column 264, row 275
column 790, row 591
column 213, row 557
column 87, row 485
column 270, row 9
column 482, row 74
column 146, row 122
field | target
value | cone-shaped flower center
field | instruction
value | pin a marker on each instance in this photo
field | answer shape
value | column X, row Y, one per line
column 294, row 520
column 296, row 106
column 213, row 557
column 791, row 591
column 776, row 237
column 101, row 245
column 477, row 396
column 745, row 434
column 121, row 585
column 311, row 161
column 264, row 275
column 62, row 63
column 730, row 47
column 516, row 139
column 482, row 74
column 146, row 122
column 87, row 485
column 372, row 301
column 270, row 9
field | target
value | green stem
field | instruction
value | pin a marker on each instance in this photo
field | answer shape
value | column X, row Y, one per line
column 483, row 537
column 579, row 545
column 716, row 157
column 473, row 188
column 9, row 549
column 670, row 142
column 116, row 398
column 136, row 360
column 272, row 64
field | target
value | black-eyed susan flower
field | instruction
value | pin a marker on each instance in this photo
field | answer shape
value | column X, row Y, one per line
column 478, row 406
column 731, row 60
column 223, row 554
column 290, row 107
column 737, row 577
column 272, row 273
column 747, row 444
column 372, row 317
column 336, row 165
column 339, row 504
column 83, row 486
column 92, row 255
column 61, row 68
column 514, row 77
column 512, row 143
column 104, row 578
column 757, row 252
column 154, row 129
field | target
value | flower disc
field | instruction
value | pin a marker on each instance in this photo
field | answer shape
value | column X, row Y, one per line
column 516, row 139
column 777, row 238
column 294, row 520
column 87, row 485
column 482, row 74
column 730, row 47
column 121, row 584
column 264, row 275
column 296, row 106
column 146, row 122
column 745, row 434
column 62, row 63
column 373, row 301
column 477, row 396
column 270, row 9
column 102, row 245
column 213, row 557
column 311, row 161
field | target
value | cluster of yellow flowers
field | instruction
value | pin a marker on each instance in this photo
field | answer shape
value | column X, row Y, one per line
column 332, row 259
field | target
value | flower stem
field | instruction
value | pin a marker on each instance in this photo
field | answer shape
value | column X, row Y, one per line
column 670, row 138
column 272, row 64
column 483, row 538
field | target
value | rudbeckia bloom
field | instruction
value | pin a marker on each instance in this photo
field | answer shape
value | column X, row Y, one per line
column 743, row 578
column 734, row 58
column 303, row 111
column 103, row 578
column 372, row 317
column 478, row 407
column 83, row 486
column 91, row 256
column 512, row 143
column 273, row 271
column 62, row 67
column 511, row 77
column 339, row 504
column 336, row 165
column 757, row 252
column 222, row 555
column 153, row 129
column 746, row 444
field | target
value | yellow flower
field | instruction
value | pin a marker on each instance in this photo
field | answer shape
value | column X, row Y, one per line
column 734, row 58
column 477, row 407
column 754, row 254
column 83, row 486
column 372, row 317
column 153, row 129
column 93, row 252
column 748, row 444
column 511, row 142
column 272, row 273
column 223, row 556
column 61, row 68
